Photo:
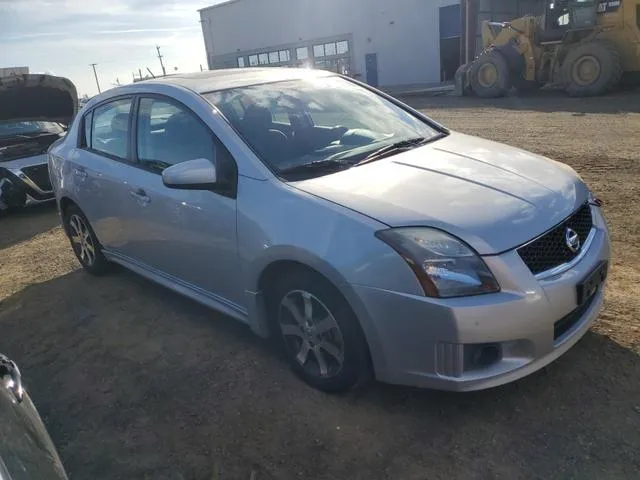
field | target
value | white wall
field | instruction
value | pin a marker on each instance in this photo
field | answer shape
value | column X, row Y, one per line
column 404, row 33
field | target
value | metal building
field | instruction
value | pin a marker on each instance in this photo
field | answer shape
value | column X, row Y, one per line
column 10, row 71
column 383, row 42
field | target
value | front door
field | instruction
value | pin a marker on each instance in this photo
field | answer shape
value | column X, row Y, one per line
column 371, row 61
column 189, row 235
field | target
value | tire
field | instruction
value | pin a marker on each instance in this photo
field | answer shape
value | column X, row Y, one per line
column 591, row 68
column 490, row 76
column 330, row 340
column 84, row 242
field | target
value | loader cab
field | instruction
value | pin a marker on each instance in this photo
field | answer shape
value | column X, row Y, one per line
column 562, row 16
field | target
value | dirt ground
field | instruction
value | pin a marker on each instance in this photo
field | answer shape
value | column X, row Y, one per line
column 135, row 382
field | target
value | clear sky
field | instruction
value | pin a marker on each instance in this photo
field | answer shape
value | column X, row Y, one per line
column 63, row 37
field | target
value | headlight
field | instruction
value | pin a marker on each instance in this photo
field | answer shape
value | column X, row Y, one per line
column 445, row 266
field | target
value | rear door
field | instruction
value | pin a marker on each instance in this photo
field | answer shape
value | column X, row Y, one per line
column 187, row 234
column 101, row 169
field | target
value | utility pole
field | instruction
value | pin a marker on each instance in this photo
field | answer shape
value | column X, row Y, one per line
column 164, row 72
column 93, row 65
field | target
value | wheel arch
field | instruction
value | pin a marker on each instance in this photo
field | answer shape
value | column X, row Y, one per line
column 63, row 204
column 284, row 259
column 274, row 262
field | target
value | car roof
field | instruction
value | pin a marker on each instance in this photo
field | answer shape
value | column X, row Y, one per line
column 209, row 81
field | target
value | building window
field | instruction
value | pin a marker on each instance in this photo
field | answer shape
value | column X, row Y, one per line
column 302, row 53
column 329, row 49
column 241, row 62
column 263, row 58
column 343, row 47
column 318, row 50
column 253, row 60
column 273, row 57
column 285, row 56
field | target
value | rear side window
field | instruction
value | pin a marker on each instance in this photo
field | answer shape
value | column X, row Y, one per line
column 85, row 133
column 110, row 128
column 168, row 134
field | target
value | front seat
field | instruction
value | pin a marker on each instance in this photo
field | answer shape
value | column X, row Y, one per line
column 257, row 127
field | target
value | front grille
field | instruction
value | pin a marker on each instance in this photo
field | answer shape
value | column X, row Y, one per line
column 39, row 174
column 550, row 250
column 567, row 322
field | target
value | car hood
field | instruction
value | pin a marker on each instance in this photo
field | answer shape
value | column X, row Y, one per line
column 37, row 97
column 492, row 196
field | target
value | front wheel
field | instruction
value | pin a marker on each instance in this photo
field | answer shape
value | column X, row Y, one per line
column 84, row 242
column 319, row 332
column 490, row 76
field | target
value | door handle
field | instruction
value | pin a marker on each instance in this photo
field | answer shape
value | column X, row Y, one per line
column 14, row 381
column 79, row 172
column 140, row 195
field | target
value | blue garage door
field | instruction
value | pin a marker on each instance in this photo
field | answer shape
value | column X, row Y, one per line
column 450, row 21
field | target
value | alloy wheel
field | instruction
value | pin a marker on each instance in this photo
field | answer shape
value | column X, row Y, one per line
column 311, row 334
column 81, row 240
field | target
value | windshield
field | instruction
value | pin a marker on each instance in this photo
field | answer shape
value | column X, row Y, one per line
column 313, row 121
column 9, row 129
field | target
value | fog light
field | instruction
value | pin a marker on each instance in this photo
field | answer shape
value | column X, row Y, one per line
column 481, row 355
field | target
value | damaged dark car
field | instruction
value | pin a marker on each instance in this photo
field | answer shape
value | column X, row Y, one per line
column 35, row 111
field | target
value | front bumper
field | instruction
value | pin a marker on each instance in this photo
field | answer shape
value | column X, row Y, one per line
column 24, row 182
column 435, row 343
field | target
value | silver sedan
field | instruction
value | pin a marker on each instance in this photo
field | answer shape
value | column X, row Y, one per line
column 362, row 236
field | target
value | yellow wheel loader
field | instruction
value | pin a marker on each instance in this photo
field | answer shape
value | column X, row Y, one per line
column 585, row 46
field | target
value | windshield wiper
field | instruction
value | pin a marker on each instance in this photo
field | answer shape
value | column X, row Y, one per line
column 392, row 149
column 327, row 164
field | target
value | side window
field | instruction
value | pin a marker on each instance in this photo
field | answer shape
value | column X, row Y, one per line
column 169, row 134
column 110, row 128
column 85, row 132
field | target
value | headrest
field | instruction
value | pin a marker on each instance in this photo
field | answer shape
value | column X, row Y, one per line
column 258, row 116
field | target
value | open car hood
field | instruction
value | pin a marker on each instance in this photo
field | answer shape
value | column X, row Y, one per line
column 37, row 97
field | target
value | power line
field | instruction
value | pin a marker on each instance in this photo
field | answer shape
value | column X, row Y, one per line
column 164, row 72
column 93, row 65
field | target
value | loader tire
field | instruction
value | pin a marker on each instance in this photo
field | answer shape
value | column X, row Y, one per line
column 490, row 76
column 591, row 68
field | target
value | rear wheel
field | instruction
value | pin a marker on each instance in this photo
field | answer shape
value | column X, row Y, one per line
column 592, row 68
column 84, row 242
column 489, row 75
column 319, row 333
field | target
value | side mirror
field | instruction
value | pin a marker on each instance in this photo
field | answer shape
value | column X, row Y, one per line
column 198, row 174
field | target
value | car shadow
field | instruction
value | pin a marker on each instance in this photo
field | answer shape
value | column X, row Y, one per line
column 547, row 101
column 21, row 225
column 134, row 381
